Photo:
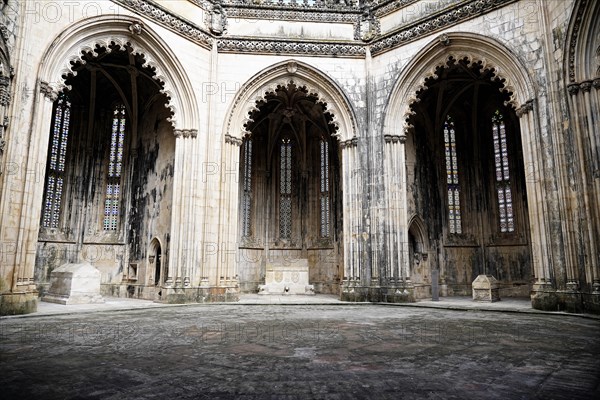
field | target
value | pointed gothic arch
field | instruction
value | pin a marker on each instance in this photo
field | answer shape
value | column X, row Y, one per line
column 321, row 90
column 504, row 67
column 102, row 31
column 303, row 75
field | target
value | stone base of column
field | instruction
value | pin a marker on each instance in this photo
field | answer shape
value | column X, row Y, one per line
column 543, row 297
column 401, row 293
column 591, row 302
column 18, row 303
column 211, row 294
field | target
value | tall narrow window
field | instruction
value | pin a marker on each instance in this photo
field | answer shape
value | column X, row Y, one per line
column 56, row 163
column 285, row 190
column 115, row 164
column 454, row 217
column 324, row 189
column 247, row 187
column 505, row 206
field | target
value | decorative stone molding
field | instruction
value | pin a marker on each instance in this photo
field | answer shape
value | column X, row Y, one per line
column 385, row 7
column 290, row 14
column 136, row 28
column 596, row 83
column 4, row 90
column 257, row 46
column 575, row 30
column 444, row 39
column 320, row 5
column 302, row 75
column 165, row 18
column 436, row 22
column 367, row 27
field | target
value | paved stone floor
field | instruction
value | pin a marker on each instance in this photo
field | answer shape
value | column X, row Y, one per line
column 320, row 351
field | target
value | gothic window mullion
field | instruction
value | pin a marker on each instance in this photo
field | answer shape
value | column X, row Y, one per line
column 56, row 163
column 502, row 169
column 112, row 201
column 285, row 190
column 453, row 188
column 324, row 197
column 247, row 189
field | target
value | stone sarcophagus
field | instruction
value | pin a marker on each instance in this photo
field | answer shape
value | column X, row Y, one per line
column 485, row 288
column 74, row 284
column 290, row 277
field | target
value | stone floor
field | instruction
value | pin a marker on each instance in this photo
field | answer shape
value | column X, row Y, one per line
column 133, row 350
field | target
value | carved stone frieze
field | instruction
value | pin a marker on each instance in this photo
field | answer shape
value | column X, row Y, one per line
column 291, row 47
column 574, row 35
column 384, row 7
column 286, row 14
column 434, row 23
column 165, row 18
column 324, row 10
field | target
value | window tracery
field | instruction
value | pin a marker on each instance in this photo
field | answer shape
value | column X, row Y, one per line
column 55, row 177
column 453, row 188
column 115, row 165
column 247, row 188
column 285, row 189
column 503, row 190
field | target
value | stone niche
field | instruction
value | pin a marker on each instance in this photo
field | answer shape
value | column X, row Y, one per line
column 485, row 288
column 74, row 284
column 285, row 278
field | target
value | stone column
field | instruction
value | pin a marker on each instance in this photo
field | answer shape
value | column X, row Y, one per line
column 583, row 102
column 183, row 250
column 398, row 278
column 228, row 232
column 351, row 221
column 23, row 224
column 543, row 286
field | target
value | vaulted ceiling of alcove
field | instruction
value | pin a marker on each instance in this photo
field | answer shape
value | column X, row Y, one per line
column 115, row 66
column 291, row 105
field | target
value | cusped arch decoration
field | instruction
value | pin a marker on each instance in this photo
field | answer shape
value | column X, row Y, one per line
column 124, row 32
column 473, row 49
column 280, row 75
column 582, row 60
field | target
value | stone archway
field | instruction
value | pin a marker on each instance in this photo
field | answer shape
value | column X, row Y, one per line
column 342, row 129
column 489, row 55
column 75, row 52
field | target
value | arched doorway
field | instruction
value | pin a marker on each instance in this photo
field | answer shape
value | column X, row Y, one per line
column 469, row 178
column 290, row 207
column 155, row 261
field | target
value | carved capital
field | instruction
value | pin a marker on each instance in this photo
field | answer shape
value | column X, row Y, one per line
column 525, row 108
column 178, row 133
column 596, row 83
column 573, row 88
column 395, row 138
column 349, row 143
column 586, row 86
column 233, row 140
column 48, row 91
